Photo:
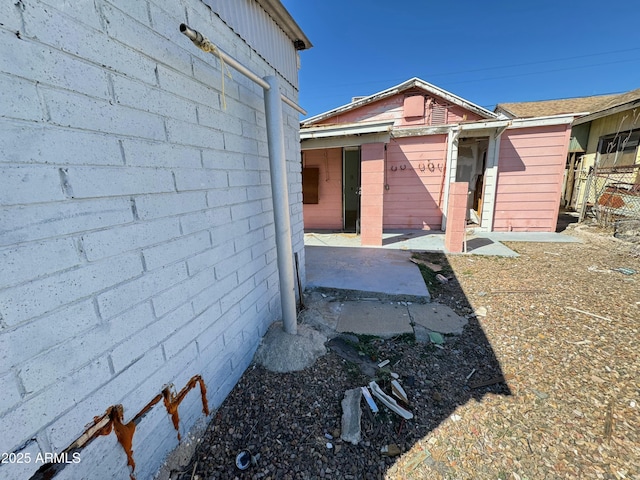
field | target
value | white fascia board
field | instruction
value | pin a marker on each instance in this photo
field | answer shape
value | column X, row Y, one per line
column 400, row 132
column 483, row 125
column 563, row 119
column 342, row 142
column 324, row 131
column 413, row 82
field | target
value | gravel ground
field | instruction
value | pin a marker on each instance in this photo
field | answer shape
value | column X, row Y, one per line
column 559, row 345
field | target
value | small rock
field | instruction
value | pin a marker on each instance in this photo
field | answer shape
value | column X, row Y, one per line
column 329, row 445
column 391, row 450
column 481, row 312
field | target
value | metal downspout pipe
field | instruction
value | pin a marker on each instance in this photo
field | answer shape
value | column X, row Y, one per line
column 278, row 172
column 280, row 195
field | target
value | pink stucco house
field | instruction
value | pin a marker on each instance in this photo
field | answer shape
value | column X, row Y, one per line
column 386, row 162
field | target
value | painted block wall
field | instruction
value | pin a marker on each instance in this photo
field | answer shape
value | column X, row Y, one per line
column 530, row 175
column 136, row 225
column 415, row 169
column 327, row 213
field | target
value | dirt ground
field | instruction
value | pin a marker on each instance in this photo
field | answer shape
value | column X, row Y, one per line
column 545, row 385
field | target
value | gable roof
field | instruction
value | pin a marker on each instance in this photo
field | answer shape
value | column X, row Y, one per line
column 553, row 107
column 618, row 103
column 414, row 82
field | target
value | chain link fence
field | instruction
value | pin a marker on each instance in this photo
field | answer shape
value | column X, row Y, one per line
column 612, row 199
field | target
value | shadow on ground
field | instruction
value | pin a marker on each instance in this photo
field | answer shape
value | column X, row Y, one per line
column 291, row 422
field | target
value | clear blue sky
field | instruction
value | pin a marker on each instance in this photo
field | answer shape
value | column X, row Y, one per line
column 486, row 51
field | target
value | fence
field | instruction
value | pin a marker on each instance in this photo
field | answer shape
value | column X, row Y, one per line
column 612, row 196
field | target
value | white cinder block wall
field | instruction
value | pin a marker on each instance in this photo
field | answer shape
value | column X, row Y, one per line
column 137, row 243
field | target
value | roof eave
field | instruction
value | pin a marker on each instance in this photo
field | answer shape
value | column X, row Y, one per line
column 413, row 82
column 607, row 111
column 284, row 19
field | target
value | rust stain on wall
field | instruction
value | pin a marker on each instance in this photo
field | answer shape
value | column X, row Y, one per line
column 172, row 402
column 113, row 419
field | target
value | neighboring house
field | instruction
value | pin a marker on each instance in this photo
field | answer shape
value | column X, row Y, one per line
column 136, row 222
column 386, row 162
column 612, row 154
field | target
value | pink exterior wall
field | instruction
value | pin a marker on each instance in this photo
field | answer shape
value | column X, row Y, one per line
column 414, row 192
column 372, row 199
column 530, row 174
column 392, row 109
column 327, row 213
column 456, row 217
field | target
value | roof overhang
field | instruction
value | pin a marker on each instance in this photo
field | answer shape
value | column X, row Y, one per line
column 286, row 22
column 353, row 134
column 607, row 112
column 345, row 135
column 414, row 82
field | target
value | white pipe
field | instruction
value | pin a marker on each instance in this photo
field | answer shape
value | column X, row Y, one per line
column 280, row 195
column 205, row 44
column 278, row 171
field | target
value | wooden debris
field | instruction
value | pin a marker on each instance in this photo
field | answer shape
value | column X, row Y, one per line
column 367, row 396
column 442, row 279
column 471, row 374
column 391, row 450
column 519, row 291
column 389, row 402
column 492, row 381
column 384, row 363
column 431, row 266
column 588, row 313
column 398, row 392
column 608, row 422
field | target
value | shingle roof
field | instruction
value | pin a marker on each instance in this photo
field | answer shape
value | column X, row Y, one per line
column 556, row 107
column 618, row 100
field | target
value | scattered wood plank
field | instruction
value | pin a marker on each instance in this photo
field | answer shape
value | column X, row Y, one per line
column 492, row 381
column 431, row 266
column 588, row 313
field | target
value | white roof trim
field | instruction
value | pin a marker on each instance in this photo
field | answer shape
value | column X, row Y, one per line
column 413, row 82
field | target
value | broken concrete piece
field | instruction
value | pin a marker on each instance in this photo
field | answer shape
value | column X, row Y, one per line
column 389, row 402
column 383, row 363
column 351, row 414
column 283, row 352
column 367, row 396
column 379, row 319
column 391, row 450
column 399, row 392
column 431, row 266
column 421, row 333
column 437, row 317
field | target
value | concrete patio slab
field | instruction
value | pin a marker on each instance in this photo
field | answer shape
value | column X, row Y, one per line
column 437, row 318
column 374, row 318
column 366, row 269
column 478, row 243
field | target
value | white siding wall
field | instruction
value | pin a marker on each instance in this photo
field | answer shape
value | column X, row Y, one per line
column 255, row 26
column 137, row 246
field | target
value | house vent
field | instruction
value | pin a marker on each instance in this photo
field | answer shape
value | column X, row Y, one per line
column 438, row 114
